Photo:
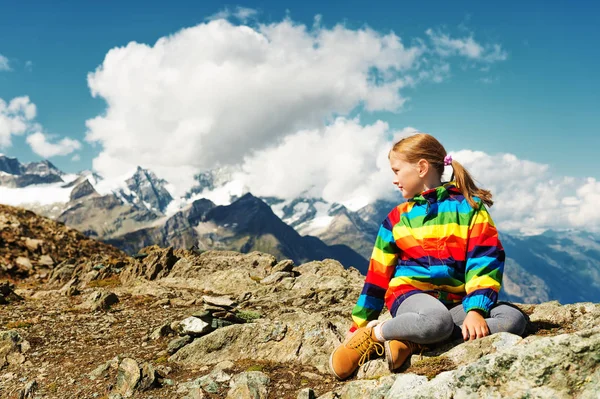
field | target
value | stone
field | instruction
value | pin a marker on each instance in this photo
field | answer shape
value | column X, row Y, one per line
column 46, row 260
column 29, row 390
column 373, row 369
column 249, row 385
column 99, row 300
column 306, row 393
column 367, row 389
column 305, row 338
column 33, row 244
column 404, row 384
column 148, row 377
column 194, row 326
column 178, row 343
column 128, row 377
column 70, row 288
column 24, row 263
column 195, row 393
column 275, row 277
column 10, row 344
column 100, row 371
column 286, row 265
column 161, row 331
column 225, row 365
column 470, row 351
column 221, row 301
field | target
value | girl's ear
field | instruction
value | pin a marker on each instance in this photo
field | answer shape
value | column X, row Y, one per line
column 422, row 167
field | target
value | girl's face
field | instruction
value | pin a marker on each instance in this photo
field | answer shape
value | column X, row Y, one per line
column 406, row 176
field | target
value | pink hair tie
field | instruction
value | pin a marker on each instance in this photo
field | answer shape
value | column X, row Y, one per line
column 448, row 160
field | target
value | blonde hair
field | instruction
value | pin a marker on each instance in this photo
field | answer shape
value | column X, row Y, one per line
column 424, row 146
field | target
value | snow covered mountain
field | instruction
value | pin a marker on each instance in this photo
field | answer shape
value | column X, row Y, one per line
column 219, row 213
column 15, row 174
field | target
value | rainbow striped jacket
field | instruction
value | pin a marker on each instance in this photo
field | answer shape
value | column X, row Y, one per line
column 435, row 243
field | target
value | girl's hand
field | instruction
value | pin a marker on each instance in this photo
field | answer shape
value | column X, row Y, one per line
column 474, row 326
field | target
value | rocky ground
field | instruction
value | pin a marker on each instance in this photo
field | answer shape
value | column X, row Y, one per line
column 219, row 324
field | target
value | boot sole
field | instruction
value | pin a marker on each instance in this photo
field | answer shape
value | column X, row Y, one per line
column 388, row 355
column 331, row 367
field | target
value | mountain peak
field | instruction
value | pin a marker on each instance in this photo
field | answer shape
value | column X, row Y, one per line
column 145, row 187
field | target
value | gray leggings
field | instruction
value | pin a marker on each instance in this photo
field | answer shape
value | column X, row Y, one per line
column 423, row 319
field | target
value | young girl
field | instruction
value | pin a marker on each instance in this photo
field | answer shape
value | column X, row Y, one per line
column 437, row 264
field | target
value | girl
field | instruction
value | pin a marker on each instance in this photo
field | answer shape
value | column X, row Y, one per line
column 437, row 264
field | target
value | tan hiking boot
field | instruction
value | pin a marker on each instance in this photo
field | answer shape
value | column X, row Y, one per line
column 396, row 352
column 349, row 356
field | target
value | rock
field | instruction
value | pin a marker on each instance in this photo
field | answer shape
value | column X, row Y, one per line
column 10, row 347
column 32, row 244
column 470, row 351
column 15, row 358
column 162, row 331
column 275, row 277
column 367, row 389
column 46, row 260
column 195, row 393
column 70, row 288
column 157, row 264
column 7, row 293
column 286, row 265
column 221, row 301
column 194, row 326
column 373, row 369
column 128, row 377
column 178, row 343
column 99, row 300
column 300, row 337
column 404, row 384
column 306, row 393
column 329, row 395
column 24, row 263
column 249, row 385
column 551, row 312
column 100, row 371
column 29, row 390
column 148, row 378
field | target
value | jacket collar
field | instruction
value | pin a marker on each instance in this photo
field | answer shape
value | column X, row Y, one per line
column 436, row 194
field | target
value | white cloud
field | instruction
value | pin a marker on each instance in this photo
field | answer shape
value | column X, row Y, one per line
column 528, row 197
column 343, row 162
column 4, row 64
column 466, row 46
column 16, row 118
column 214, row 93
column 76, row 158
column 40, row 145
column 243, row 14
column 29, row 65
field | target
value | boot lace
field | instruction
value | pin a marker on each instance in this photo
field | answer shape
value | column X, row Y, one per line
column 365, row 346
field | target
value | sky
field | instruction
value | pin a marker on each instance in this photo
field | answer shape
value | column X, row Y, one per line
column 306, row 97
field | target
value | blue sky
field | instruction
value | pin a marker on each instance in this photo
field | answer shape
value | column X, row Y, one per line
column 540, row 104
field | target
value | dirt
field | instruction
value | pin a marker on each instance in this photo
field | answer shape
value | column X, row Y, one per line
column 67, row 344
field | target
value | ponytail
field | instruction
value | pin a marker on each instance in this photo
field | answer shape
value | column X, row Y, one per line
column 467, row 186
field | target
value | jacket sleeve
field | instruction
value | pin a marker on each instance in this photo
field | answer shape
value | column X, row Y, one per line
column 381, row 268
column 485, row 263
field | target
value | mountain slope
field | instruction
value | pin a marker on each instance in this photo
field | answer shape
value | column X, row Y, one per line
column 246, row 225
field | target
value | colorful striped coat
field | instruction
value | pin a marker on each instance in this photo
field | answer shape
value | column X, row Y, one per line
column 435, row 243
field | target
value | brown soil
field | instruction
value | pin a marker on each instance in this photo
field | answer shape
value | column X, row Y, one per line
column 67, row 344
